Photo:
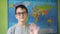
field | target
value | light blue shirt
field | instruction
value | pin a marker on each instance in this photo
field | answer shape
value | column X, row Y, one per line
column 18, row 30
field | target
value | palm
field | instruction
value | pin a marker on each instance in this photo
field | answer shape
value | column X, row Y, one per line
column 34, row 29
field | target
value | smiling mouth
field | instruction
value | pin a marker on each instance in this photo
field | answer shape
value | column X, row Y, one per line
column 21, row 17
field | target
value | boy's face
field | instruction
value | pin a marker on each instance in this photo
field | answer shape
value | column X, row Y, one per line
column 21, row 14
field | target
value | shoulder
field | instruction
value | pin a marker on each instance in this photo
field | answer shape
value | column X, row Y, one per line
column 11, row 29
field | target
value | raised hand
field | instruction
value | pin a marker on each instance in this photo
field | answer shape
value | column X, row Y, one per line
column 34, row 29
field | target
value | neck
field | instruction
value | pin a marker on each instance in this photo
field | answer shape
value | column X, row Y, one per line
column 21, row 23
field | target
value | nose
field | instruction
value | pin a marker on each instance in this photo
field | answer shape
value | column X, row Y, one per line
column 22, row 15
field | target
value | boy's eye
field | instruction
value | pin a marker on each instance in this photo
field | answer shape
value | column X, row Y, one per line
column 21, row 13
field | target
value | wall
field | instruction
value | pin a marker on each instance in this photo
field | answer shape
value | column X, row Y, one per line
column 59, row 16
column 3, row 16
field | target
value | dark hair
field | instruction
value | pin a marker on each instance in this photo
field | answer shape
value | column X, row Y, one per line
column 21, row 6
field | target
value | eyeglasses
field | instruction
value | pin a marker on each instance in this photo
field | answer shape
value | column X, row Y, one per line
column 19, row 13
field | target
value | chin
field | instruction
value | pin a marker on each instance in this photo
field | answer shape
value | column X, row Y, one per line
column 22, row 20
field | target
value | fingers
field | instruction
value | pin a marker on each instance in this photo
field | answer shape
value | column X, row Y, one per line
column 34, row 28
